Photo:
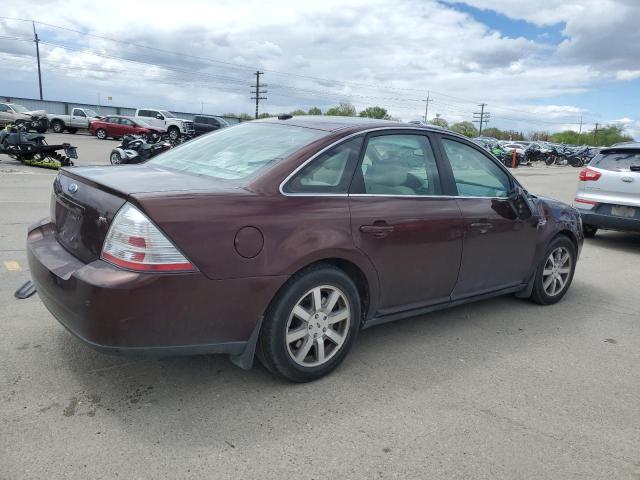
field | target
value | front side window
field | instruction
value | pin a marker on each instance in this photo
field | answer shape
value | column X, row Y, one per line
column 475, row 174
column 237, row 152
column 331, row 172
column 399, row 165
column 79, row 113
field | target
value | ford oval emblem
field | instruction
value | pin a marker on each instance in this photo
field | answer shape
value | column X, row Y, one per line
column 627, row 179
column 72, row 188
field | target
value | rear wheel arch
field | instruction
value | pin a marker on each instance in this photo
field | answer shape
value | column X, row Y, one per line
column 350, row 268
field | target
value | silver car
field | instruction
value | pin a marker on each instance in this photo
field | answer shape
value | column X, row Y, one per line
column 608, row 194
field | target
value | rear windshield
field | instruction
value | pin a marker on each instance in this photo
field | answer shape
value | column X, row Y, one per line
column 620, row 161
column 237, row 152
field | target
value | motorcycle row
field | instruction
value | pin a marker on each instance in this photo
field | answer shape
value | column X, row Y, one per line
column 528, row 154
column 140, row 148
column 33, row 149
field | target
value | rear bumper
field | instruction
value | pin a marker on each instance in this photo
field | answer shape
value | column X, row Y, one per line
column 117, row 311
column 610, row 222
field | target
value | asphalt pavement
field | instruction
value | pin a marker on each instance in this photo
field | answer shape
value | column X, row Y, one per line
column 498, row 389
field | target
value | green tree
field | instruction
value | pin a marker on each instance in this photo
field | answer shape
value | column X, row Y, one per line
column 467, row 129
column 375, row 112
column 265, row 115
column 439, row 121
column 297, row 111
column 342, row 110
column 314, row 111
column 603, row 137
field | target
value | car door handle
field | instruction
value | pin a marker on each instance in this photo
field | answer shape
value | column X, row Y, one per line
column 377, row 230
column 482, row 226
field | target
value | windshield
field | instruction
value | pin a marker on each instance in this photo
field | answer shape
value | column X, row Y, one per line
column 237, row 152
column 167, row 114
column 90, row 113
column 18, row 108
column 620, row 161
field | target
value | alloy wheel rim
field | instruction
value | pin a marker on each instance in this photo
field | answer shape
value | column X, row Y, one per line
column 115, row 159
column 101, row 134
column 318, row 326
column 557, row 269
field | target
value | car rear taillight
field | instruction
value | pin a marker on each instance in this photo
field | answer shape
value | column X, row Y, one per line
column 589, row 175
column 135, row 243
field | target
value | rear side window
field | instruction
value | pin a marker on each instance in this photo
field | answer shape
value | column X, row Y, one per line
column 237, row 152
column 620, row 161
column 398, row 164
column 331, row 172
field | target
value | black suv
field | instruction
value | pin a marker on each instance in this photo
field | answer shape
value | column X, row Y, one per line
column 206, row 123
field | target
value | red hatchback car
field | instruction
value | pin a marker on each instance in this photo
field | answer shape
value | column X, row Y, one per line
column 116, row 126
column 287, row 236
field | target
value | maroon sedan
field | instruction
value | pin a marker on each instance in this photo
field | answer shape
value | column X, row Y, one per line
column 116, row 126
column 287, row 236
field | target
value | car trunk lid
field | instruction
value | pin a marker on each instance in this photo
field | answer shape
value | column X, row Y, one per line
column 86, row 199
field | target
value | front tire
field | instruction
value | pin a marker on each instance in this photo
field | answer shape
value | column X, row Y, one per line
column 555, row 273
column 115, row 158
column 311, row 324
column 174, row 134
column 101, row 133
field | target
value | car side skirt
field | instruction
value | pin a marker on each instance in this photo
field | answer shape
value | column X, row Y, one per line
column 381, row 319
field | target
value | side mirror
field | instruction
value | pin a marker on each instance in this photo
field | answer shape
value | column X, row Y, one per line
column 159, row 117
column 520, row 202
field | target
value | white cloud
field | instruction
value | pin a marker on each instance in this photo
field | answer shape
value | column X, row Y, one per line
column 388, row 53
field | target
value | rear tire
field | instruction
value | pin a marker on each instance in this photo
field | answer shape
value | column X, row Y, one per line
column 589, row 231
column 310, row 325
column 57, row 126
column 555, row 272
column 101, row 133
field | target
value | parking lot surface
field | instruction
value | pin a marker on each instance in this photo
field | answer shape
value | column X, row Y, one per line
column 497, row 389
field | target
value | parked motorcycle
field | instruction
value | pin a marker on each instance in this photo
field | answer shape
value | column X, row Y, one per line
column 135, row 149
column 31, row 149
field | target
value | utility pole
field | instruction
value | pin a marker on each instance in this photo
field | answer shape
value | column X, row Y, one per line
column 37, row 42
column 595, row 133
column 481, row 117
column 426, row 107
column 258, row 92
column 580, row 131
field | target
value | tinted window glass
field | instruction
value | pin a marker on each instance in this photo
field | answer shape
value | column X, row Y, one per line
column 620, row 161
column 235, row 153
column 475, row 174
column 331, row 172
column 400, row 165
column 111, row 119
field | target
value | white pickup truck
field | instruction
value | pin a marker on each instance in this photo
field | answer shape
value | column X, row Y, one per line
column 165, row 120
column 79, row 118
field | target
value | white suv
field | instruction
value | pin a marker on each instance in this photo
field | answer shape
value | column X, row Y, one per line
column 608, row 194
column 165, row 120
